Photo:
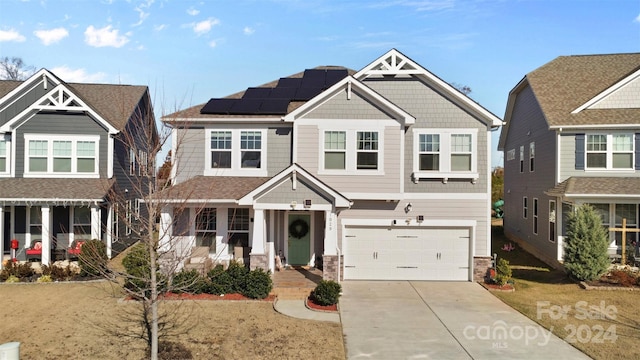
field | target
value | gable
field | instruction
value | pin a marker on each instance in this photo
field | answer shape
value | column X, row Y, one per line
column 340, row 106
column 13, row 105
column 623, row 96
column 286, row 193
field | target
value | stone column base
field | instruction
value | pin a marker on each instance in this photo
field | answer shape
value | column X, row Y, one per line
column 480, row 267
column 258, row 261
column 330, row 268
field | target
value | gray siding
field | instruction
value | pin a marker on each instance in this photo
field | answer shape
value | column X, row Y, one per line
column 62, row 124
column 284, row 194
column 527, row 125
column 190, row 160
column 23, row 101
column 339, row 107
column 624, row 98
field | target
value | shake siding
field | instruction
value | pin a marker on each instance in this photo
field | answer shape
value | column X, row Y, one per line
column 52, row 124
column 624, row 98
column 190, row 159
column 278, row 149
column 339, row 107
column 25, row 100
column 308, row 138
column 527, row 125
column 284, row 194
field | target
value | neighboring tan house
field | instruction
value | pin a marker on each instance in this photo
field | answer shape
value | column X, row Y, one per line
column 64, row 150
column 572, row 136
column 382, row 173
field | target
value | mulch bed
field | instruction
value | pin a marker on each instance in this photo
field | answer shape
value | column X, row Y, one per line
column 329, row 308
column 228, row 297
column 496, row 287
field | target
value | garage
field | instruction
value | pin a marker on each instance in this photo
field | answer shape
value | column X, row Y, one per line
column 406, row 253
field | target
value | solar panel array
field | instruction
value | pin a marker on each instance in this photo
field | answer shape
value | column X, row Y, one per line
column 275, row 101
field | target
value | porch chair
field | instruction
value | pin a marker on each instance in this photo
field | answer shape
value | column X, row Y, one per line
column 74, row 250
column 35, row 251
column 199, row 260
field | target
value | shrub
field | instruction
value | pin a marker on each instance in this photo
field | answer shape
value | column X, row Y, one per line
column 585, row 247
column 326, row 293
column 44, row 279
column 238, row 274
column 93, row 258
column 137, row 266
column 19, row 270
column 220, row 281
column 12, row 279
column 503, row 272
column 622, row 277
column 189, row 282
column 58, row 273
column 168, row 350
column 258, row 284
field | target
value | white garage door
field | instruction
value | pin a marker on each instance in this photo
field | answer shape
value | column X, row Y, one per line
column 374, row 253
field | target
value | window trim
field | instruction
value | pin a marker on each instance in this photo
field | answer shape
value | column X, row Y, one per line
column 535, row 216
column 6, row 140
column 609, row 152
column 351, row 151
column 445, row 152
column 521, row 159
column 525, row 207
column 236, row 154
column 50, row 139
column 203, row 232
column 553, row 223
column 532, row 156
column 231, row 215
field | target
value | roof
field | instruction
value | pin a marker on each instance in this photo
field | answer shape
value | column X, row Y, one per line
column 37, row 189
column 567, row 82
column 597, row 186
column 115, row 103
column 207, row 188
column 194, row 111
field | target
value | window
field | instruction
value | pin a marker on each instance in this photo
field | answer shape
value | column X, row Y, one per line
column 129, row 218
column 68, row 155
column 445, row 153
column 367, row 150
column 238, row 225
column 611, row 151
column 4, row 156
column 132, row 161
column 335, row 150
column 35, row 222
column 511, row 154
column 116, row 221
column 521, row 159
column 629, row 212
column 136, row 208
column 206, row 228
column 525, row 207
column 82, row 222
column 532, row 156
column 142, row 163
column 603, row 211
column 552, row 220
column 535, row 216
column 236, row 152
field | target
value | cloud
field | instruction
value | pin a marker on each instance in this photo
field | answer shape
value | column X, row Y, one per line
column 77, row 75
column 142, row 15
column 418, row 5
column 193, row 12
column 248, row 30
column 637, row 19
column 213, row 43
column 51, row 36
column 104, row 37
column 11, row 35
column 205, row 26
column 160, row 27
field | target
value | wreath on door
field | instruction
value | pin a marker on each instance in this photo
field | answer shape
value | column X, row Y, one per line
column 298, row 228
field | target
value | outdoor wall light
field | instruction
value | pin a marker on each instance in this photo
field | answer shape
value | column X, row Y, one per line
column 408, row 208
column 420, row 218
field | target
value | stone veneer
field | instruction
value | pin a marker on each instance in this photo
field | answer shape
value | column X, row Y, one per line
column 330, row 266
column 258, row 261
column 480, row 266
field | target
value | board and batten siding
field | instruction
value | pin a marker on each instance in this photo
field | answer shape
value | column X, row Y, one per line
column 61, row 124
column 22, row 101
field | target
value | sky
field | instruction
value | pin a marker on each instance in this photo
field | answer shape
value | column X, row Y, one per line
column 190, row 51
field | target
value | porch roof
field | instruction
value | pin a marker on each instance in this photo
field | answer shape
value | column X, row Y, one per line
column 618, row 187
column 26, row 190
column 211, row 188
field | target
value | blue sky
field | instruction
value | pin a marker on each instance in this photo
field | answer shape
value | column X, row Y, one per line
column 190, row 51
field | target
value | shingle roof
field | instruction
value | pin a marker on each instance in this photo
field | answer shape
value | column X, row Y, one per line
column 115, row 103
column 206, row 188
column 597, row 186
column 568, row 82
column 16, row 189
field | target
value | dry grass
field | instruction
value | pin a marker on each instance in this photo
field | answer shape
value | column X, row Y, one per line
column 602, row 324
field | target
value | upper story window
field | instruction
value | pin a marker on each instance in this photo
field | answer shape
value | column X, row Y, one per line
column 351, row 151
column 522, row 158
column 609, row 151
column 532, row 156
column 50, row 155
column 4, row 155
column 445, row 153
column 236, row 152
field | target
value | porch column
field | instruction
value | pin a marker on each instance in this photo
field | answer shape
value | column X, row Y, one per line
column 1, row 235
column 109, row 234
column 165, row 231
column 330, row 233
column 258, row 258
column 271, row 241
column 95, row 222
column 46, row 235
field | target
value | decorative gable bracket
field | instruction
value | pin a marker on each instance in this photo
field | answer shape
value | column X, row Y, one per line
column 61, row 99
column 391, row 63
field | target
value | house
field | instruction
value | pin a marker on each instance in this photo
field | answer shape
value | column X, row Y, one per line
column 66, row 149
column 383, row 173
column 572, row 136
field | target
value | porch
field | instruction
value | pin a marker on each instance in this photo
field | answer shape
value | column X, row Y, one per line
column 295, row 282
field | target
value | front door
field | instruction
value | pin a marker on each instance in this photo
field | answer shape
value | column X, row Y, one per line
column 7, row 232
column 299, row 239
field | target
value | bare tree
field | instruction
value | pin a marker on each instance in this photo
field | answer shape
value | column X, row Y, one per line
column 465, row 89
column 13, row 68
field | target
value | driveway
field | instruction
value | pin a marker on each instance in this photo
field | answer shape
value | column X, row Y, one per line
column 440, row 320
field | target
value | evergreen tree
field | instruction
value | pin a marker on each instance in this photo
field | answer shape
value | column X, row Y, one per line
column 585, row 247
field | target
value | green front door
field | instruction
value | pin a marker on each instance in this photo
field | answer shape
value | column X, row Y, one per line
column 299, row 239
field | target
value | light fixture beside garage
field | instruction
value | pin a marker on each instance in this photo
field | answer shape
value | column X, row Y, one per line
column 408, row 208
column 307, row 203
column 420, row 218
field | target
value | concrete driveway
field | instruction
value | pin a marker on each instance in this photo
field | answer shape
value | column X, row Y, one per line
column 440, row 320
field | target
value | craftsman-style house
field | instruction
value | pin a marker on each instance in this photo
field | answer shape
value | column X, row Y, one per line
column 383, row 173
column 65, row 150
column 572, row 136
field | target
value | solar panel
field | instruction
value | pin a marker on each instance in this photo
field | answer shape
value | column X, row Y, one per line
column 306, row 93
column 274, row 106
column 313, row 78
column 333, row 76
column 218, row 106
column 283, row 93
column 256, row 93
column 246, row 107
column 289, row 82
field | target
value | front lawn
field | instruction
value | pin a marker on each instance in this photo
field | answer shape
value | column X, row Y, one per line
column 602, row 324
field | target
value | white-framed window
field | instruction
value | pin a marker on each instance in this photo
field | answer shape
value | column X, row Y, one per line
column 552, row 221
column 525, row 207
column 511, row 154
column 535, row 216
column 5, row 148
column 610, row 151
column 351, row 151
column 445, row 153
column 132, row 161
column 532, row 156
column 68, row 155
column 238, row 226
column 129, row 218
column 522, row 158
column 136, row 208
column 142, row 163
column 116, row 221
column 205, row 228
column 82, row 222
column 236, row 152
column 35, row 223
column 629, row 212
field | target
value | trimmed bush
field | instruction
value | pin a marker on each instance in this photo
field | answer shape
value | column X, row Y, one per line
column 58, row 273
column 326, row 293
column 258, row 284
column 44, row 279
column 93, row 258
column 137, row 266
column 189, row 282
column 12, row 279
column 585, row 247
column 238, row 274
column 220, row 281
column 503, row 272
column 19, row 270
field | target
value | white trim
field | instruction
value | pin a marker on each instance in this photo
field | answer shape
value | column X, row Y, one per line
column 416, row 196
column 50, row 139
column 351, row 151
column 33, row 81
column 604, row 196
column 276, row 119
column 444, row 155
column 569, row 128
column 402, row 223
column 6, row 139
column 236, row 154
column 534, row 217
column 609, row 152
column 110, row 155
column 296, row 207
column 608, row 91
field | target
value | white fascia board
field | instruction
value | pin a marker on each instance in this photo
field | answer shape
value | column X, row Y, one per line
column 257, row 120
column 49, row 200
column 565, row 128
column 374, row 196
column 607, row 92
column 30, row 82
column 400, row 223
column 366, row 91
column 191, row 201
column 297, row 207
column 416, row 196
column 604, row 196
